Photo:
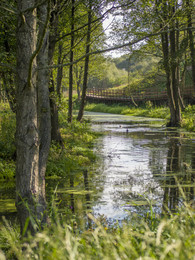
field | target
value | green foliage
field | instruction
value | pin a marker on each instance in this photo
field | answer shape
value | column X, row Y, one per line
column 147, row 111
column 111, row 76
column 188, row 121
column 77, row 152
column 152, row 238
column 7, row 169
column 7, row 131
column 7, row 142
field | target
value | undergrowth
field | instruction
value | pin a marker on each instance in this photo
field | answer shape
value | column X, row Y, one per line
column 153, row 238
column 76, row 151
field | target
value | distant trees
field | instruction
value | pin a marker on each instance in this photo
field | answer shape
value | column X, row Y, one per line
column 168, row 25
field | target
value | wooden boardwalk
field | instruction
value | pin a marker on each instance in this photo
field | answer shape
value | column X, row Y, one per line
column 123, row 96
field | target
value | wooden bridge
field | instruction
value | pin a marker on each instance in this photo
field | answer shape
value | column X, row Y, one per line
column 99, row 95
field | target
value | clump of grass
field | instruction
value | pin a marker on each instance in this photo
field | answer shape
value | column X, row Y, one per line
column 188, row 115
column 169, row 238
column 7, row 142
column 7, row 131
column 77, row 152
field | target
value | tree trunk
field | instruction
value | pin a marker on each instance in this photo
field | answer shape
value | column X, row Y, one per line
column 170, row 65
column 27, row 141
column 176, row 115
column 55, row 130
column 71, row 66
column 191, row 37
column 78, row 81
column 60, row 72
column 44, row 116
column 86, row 68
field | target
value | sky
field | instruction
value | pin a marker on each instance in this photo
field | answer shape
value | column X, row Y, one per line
column 107, row 23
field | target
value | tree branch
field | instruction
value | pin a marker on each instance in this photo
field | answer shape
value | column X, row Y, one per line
column 116, row 47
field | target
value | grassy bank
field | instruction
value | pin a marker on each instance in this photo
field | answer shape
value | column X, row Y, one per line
column 151, row 237
column 141, row 237
column 77, row 150
column 188, row 116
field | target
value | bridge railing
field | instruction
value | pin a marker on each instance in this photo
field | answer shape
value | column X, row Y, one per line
column 123, row 94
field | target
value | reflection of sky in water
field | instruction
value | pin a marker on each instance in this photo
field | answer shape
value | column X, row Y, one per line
column 126, row 168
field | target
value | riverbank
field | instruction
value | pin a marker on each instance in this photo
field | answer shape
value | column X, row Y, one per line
column 149, row 237
column 77, row 150
column 143, row 236
column 188, row 116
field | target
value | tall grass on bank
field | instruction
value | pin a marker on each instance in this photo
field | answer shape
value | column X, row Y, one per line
column 188, row 115
column 150, row 238
column 77, row 141
column 147, row 111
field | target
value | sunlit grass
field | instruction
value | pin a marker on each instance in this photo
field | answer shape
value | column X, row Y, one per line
column 188, row 115
column 152, row 237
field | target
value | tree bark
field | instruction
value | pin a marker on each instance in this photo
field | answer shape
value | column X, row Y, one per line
column 27, row 139
column 44, row 115
column 78, row 75
column 55, row 130
column 191, row 37
column 86, row 67
column 170, row 65
column 176, row 115
column 60, row 72
column 71, row 66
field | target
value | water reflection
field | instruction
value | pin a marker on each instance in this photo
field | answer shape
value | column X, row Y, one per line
column 143, row 164
column 136, row 166
column 179, row 183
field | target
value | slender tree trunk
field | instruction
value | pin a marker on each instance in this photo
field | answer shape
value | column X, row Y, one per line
column 71, row 66
column 165, row 47
column 60, row 72
column 78, row 81
column 176, row 116
column 44, row 116
column 27, row 141
column 86, row 68
column 170, row 65
column 191, row 37
column 55, row 130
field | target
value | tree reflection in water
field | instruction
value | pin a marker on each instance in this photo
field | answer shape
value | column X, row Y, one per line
column 178, row 184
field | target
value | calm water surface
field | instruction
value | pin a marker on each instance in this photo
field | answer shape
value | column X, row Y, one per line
column 142, row 165
column 139, row 165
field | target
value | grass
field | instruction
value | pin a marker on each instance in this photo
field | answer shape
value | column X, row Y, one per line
column 76, row 154
column 142, row 237
column 153, row 237
column 188, row 115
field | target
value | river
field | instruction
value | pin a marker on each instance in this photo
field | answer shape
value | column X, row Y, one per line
column 141, row 165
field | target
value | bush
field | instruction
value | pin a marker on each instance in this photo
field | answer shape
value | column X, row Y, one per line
column 7, row 133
